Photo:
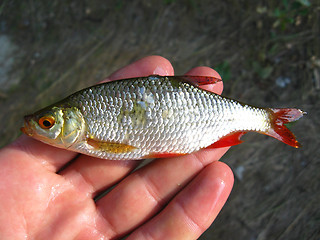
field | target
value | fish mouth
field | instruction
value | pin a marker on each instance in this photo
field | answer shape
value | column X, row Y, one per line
column 26, row 129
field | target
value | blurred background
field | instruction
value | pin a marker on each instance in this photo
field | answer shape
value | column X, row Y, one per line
column 268, row 53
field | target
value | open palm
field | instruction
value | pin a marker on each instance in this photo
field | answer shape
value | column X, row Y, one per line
column 48, row 193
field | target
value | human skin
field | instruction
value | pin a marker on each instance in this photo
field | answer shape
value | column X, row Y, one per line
column 170, row 198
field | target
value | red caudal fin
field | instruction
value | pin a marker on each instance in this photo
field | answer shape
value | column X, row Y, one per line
column 227, row 141
column 279, row 117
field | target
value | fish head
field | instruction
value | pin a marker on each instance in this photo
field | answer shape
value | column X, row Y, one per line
column 58, row 126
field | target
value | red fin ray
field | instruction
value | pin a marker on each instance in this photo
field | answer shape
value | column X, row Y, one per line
column 281, row 116
column 228, row 140
column 164, row 155
column 286, row 115
column 200, row 80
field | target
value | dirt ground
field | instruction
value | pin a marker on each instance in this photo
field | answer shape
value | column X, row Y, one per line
column 268, row 53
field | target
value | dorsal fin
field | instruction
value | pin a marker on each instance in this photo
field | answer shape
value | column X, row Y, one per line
column 194, row 80
column 200, row 80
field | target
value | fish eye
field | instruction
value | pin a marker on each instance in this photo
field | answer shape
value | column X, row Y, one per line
column 46, row 122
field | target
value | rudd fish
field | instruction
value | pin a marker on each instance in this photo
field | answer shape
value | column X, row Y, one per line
column 154, row 116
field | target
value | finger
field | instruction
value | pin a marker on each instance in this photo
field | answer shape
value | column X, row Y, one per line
column 93, row 174
column 151, row 65
column 142, row 194
column 37, row 152
column 193, row 210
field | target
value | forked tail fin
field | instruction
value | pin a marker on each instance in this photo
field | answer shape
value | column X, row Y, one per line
column 279, row 117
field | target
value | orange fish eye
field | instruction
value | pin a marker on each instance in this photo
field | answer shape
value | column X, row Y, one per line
column 46, row 122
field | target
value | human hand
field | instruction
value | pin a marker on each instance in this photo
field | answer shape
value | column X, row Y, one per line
column 173, row 198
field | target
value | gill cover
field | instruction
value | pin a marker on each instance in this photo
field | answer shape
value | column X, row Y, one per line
column 73, row 126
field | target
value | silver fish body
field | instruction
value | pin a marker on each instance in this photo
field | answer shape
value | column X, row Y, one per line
column 150, row 116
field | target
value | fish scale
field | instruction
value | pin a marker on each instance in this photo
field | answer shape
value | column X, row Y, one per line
column 154, row 116
column 203, row 117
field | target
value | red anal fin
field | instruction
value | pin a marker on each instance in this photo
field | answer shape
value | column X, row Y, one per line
column 281, row 116
column 164, row 155
column 200, row 80
column 227, row 141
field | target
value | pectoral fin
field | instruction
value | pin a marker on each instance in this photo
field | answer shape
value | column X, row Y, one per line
column 111, row 147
